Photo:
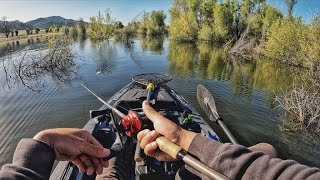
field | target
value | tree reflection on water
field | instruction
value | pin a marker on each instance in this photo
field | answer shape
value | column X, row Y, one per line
column 211, row 62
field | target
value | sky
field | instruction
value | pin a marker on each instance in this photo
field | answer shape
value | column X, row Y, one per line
column 123, row 10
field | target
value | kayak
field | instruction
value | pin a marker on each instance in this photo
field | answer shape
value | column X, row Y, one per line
column 131, row 162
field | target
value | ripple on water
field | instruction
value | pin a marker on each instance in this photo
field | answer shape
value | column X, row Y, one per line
column 22, row 113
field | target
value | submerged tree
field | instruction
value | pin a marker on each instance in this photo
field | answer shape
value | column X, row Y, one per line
column 30, row 69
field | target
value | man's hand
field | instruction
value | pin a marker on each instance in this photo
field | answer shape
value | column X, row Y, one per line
column 77, row 146
column 165, row 127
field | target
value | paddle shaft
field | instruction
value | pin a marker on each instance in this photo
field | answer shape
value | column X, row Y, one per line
column 222, row 125
column 227, row 132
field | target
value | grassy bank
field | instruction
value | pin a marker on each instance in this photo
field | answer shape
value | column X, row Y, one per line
column 23, row 36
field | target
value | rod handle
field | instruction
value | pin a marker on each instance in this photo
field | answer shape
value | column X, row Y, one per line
column 168, row 147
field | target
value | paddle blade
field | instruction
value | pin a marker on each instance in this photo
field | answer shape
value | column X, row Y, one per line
column 206, row 101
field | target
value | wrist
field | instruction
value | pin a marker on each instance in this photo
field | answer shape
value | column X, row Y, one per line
column 43, row 136
column 185, row 138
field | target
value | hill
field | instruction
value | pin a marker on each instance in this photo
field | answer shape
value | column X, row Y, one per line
column 41, row 23
column 15, row 25
column 47, row 22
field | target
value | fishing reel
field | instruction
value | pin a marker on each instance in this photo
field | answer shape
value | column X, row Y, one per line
column 133, row 123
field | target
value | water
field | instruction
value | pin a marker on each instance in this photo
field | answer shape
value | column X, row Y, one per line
column 243, row 90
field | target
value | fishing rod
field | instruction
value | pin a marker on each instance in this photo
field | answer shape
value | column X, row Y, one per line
column 132, row 125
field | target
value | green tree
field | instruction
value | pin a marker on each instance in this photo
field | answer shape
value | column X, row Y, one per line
column 37, row 30
column 246, row 8
column 271, row 15
column 156, row 23
column 118, row 25
column 5, row 26
column 81, row 27
column 290, row 5
column 286, row 42
column 183, row 25
column 206, row 11
column 223, row 20
column 183, row 28
column 143, row 26
column 101, row 26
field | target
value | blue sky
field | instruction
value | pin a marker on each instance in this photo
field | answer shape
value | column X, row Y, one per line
column 123, row 10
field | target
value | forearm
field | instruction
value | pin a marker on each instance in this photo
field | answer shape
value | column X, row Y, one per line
column 238, row 162
column 32, row 160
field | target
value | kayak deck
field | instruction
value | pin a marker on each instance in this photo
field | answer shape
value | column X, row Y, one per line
column 168, row 103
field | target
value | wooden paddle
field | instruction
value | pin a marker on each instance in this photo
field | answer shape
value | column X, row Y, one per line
column 207, row 103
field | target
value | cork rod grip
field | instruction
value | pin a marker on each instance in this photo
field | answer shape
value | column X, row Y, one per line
column 168, row 147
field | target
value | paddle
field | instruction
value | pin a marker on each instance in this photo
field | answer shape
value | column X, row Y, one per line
column 207, row 103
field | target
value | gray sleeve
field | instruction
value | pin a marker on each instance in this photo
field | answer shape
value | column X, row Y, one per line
column 32, row 160
column 238, row 162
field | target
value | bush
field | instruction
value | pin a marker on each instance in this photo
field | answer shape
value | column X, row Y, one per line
column 285, row 42
column 101, row 26
column 183, row 28
column 206, row 33
column 301, row 107
column 222, row 22
column 156, row 25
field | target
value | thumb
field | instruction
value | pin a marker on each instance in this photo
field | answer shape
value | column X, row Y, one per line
column 94, row 150
column 153, row 115
column 149, row 111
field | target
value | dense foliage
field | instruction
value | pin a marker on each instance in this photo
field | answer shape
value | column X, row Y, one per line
column 250, row 26
column 101, row 26
column 104, row 26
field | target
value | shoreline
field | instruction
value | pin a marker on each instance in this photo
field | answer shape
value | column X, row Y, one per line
column 4, row 40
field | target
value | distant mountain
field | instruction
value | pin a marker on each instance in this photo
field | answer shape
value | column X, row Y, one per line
column 15, row 25
column 47, row 22
column 41, row 23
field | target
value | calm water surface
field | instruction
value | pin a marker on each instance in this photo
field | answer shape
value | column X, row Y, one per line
column 244, row 91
